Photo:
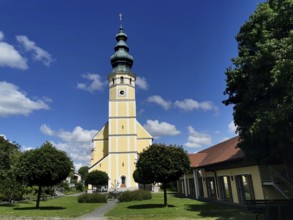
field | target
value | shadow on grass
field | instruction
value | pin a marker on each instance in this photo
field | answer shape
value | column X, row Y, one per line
column 178, row 195
column 7, row 205
column 13, row 204
column 219, row 211
column 148, row 206
column 41, row 208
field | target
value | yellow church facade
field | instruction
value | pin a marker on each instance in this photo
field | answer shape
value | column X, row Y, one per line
column 117, row 144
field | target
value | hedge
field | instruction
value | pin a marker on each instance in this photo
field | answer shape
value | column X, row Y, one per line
column 92, row 198
column 136, row 195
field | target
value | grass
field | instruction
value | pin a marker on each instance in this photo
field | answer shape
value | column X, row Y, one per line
column 178, row 208
column 63, row 207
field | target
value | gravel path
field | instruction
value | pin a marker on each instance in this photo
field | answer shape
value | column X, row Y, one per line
column 99, row 213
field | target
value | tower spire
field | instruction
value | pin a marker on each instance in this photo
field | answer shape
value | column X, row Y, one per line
column 121, row 60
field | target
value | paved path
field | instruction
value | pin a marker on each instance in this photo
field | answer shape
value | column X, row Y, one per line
column 99, row 213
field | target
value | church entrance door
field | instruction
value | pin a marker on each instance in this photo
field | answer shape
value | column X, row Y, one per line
column 123, row 181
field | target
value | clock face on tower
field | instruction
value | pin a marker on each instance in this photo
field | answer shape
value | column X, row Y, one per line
column 122, row 92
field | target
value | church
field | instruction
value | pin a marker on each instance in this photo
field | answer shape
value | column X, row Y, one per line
column 117, row 144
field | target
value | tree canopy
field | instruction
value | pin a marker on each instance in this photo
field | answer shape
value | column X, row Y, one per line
column 161, row 164
column 83, row 172
column 97, row 178
column 259, row 83
column 45, row 166
column 9, row 154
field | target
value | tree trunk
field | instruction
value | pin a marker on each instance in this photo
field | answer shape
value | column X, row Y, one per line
column 165, row 195
column 39, row 197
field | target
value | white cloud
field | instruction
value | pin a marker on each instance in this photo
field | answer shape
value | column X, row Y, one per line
column 197, row 139
column 157, row 129
column 77, row 135
column 160, row 101
column 190, row 104
column 95, row 83
column 24, row 148
column 186, row 104
column 3, row 135
column 46, row 130
column 141, row 83
column 78, row 165
column 9, row 56
column 232, row 127
column 15, row 102
column 1, row 35
column 38, row 53
column 76, row 143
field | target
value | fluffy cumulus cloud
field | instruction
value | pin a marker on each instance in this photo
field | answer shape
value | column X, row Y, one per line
column 185, row 105
column 141, row 83
column 76, row 143
column 232, row 127
column 38, row 53
column 197, row 139
column 15, row 102
column 94, row 83
column 45, row 129
column 160, row 101
column 9, row 56
column 190, row 105
column 157, row 129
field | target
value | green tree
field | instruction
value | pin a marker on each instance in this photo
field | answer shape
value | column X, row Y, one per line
column 9, row 154
column 97, row 178
column 142, row 179
column 83, row 172
column 162, row 164
column 259, row 83
column 43, row 167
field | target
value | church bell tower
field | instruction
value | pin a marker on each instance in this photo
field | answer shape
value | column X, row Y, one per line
column 117, row 144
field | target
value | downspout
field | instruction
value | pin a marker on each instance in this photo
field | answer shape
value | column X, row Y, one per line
column 195, row 183
column 185, row 185
column 216, row 187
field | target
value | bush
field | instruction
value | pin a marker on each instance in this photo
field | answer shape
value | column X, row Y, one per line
column 136, row 195
column 114, row 195
column 92, row 198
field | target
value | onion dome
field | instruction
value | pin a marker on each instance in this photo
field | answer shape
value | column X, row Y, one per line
column 121, row 60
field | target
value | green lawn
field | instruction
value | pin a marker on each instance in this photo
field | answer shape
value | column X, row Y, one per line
column 179, row 208
column 65, row 207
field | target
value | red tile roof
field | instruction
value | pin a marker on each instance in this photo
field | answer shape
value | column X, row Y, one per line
column 222, row 152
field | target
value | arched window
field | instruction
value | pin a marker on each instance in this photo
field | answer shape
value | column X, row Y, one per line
column 113, row 80
column 121, row 80
column 123, row 181
column 130, row 81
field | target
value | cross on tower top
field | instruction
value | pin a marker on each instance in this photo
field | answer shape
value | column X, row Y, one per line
column 120, row 15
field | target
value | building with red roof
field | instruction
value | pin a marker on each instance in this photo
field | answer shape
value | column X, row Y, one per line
column 222, row 173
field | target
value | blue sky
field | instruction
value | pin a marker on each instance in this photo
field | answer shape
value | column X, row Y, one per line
column 55, row 58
